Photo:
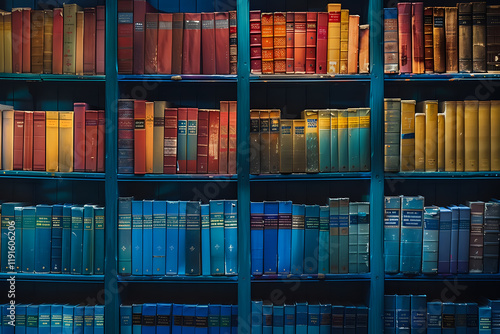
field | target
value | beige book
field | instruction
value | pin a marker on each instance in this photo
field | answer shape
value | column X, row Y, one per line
column 420, row 142
column 407, row 135
column 484, row 136
column 66, row 119
column 158, row 136
column 449, row 110
column 52, row 141
column 430, row 109
column 495, row 135
column 460, row 162
column 441, row 139
column 471, row 142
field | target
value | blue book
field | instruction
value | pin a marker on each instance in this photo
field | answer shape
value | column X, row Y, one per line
column 461, row 318
column 193, row 238
column 353, row 139
column 136, row 318
column 20, row 319
column 124, row 235
column 472, row 319
column 231, row 236
column 350, row 320
column 463, row 239
column 343, row 235
column 484, row 315
column 148, row 318
column 278, row 319
column 495, row 316
column 284, row 236
column 343, row 139
column 172, row 237
column 334, row 145
column 189, row 314
column 430, row 240
column 234, row 319
column 18, row 220
column 163, row 318
column 337, row 319
column 8, row 219
column 353, row 238
column 181, row 261
column 76, row 239
column 297, row 246
column 7, row 323
column 159, row 236
column 257, row 237
column 324, row 240
column 42, row 238
column 177, row 318
column 28, row 241
column 125, row 319
column 201, row 319
column 301, row 311
column 411, row 234
column 455, row 220
column 325, row 318
column 88, row 320
column 44, row 319
column 448, row 318
column 444, row 240
column 313, row 319
column 78, row 319
column 361, row 320
column 418, row 305
column 217, row 237
column 32, row 319
column 334, row 235
column 66, row 240
column 56, row 317
column 99, row 319
column 364, row 139
column 267, row 319
column 137, row 237
column 311, row 235
column 434, row 317
column 205, row 239
column 389, row 314
column 392, row 218
column 100, row 240
column 363, row 237
column 225, row 319
column 214, row 319
column 147, row 237
column 289, row 327
column 271, row 211
column 88, row 239
column 403, row 323
column 256, row 316
column 56, row 237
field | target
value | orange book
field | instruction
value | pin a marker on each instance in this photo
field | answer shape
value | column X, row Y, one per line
column 353, row 49
column 344, row 40
column 140, row 137
column 231, row 160
column 79, row 42
column 299, row 49
column 150, row 107
column 364, row 48
column 267, row 43
column 279, row 42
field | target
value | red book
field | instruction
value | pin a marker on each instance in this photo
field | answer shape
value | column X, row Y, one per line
column 322, row 43
column 231, row 161
column 255, row 42
column 91, row 123
column 170, row 146
column 101, row 141
column 57, row 41
column 18, row 139
column 164, row 43
column 191, row 49
column 299, row 54
column 404, row 31
column 139, row 137
column 151, row 51
column 139, row 27
column 79, row 137
column 28, row 141
column 177, row 41
column 26, row 40
column 100, row 45
column 89, row 30
column 311, row 42
column 202, row 152
column 182, row 140
column 233, row 42
column 39, row 140
column 192, row 140
column 125, row 36
column 223, row 136
column 208, row 42
column 17, row 40
column 126, row 136
column 222, row 42
column 213, row 142
column 417, row 20
column 290, row 16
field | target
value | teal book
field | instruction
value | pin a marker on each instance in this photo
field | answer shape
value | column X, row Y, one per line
column 301, row 310
column 389, row 314
column 125, row 320
column 403, row 314
column 76, row 239
column 343, row 139
column 313, row 319
column 21, row 318
column 172, row 237
column 448, row 318
column 193, row 239
column 411, row 234
column 42, row 238
column 484, row 315
column 217, row 237
column 430, row 240
column 289, row 327
column 43, row 319
column 297, row 245
column 225, row 319
column 99, row 319
column 364, row 140
column 324, row 240
column 343, row 235
column 32, row 319
column 213, row 319
column 99, row 239
column 362, row 320
column 78, row 319
column 392, row 224
column 334, row 142
column 350, row 319
column 66, row 240
column 311, row 236
column 69, row 314
column 28, row 243
column 164, row 318
column 56, row 318
column 8, row 219
column 278, row 319
column 205, row 239
column 418, row 307
column 192, row 140
column 182, row 128
column 324, row 140
column 137, row 228
column 353, row 238
column 284, row 236
column 461, row 318
column 181, row 261
column 147, row 237
column 159, row 236
column 353, row 139
column 311, row 132
column 267, row 318
column 334, row 235
column 56, row 239
column 88, row 239
column 125, row 235
column 18, row 219
column 231, row 236
column 256, row 317
column 88, row 320
column 363, row 237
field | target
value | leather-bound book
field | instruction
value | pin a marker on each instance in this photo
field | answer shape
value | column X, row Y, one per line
column 233, row 42
column 89, row 41
column 428, row 45
column 213, row 142
column 255, row 42
column 151, row 44
column 27, row 40
column 344, row 40
column 18, row 140
column 101, row 141
column 299, row 55
column 208, row 43
column 79, row 137
column 100, row 36
column 322, row 43
column 170, row 147
column 125, row 36
column 191, row 49
column 139, row 137
column 165, row 43
column 290, row 17
column 267, row 22
column 28, row 141
column 450, row 21
column 439, row 40
column 202, row 149
column 364, row 49
column 353, row 52
column 80, row 22
column 231, row 160
column 223, row 136
column 91, row 128
column 48, row 24
column 39, row 140
column 311, row 28
column 37, row 41
column 404, row 31
column 222, row 42
column 57, row 41
column 139, row 35
column 493, row 38
column 391, row 58
column 279, row 40
column 417, row 43
column 17, row 40
column 479, row 36
column 7, row 37
column 177, row 41
column 333, row 55
column 464, row 37
column 70, row 38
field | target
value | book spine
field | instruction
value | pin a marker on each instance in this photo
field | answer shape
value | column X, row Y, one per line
column 193, row 241
column 420, row 140
column 471, row 136
column 17, row 40
column 202, row 142
column 91, row 124
column 345, row 25
column 343, row 140
column 182, row 140
column 311, row 133
column 390, row 314
column 147, row 237
column 344, row 221
column 77, row 241
column 205, row 239
column 299, row 143
column 324, row 140
column 18, row 140
column 460, row 133
column 37, row 41
column 439, row 40
column 28, row 239
column 311, row 236
column 232, row 154
column 8, row 215
column 69, row 39
column 274, row 133
column 279, row 42
column 27, row 40
column 404, row 32
column 170, row 142
column 440, row 142
column 257, row 237
column 290, row 31
column 222, row 43
column 464, row 37
column 271, row 211
column 417, row 22
column 492, row 35
column 484, row 136
column 223, row 136
column 231, row 237
column 217, row 245
column 455, row 221
column 159, row 236
column 79, row 143
column 392, row 225
column 213, row 141
column 353, row 139
column 151, row 44
column 428, row 41
column 450, row 19
column 172, row 239
column 177, row 42
column 284, row 236
column 52, row 141
column 444, row 241
column 286, row 146
column 192, row 140
column 100, row 40
column 403, row 314
column 140, row 137
column 89, row 41
column 99, row 225
column 430, row 241
column 431, row 136
column 418, row 309
column 334, row 235
column 255, row 42
column 334, row 145
column 363, row 237
column 321, row 41
column 66, row 240
column 353, row 49
column 479, row 36
column 407, row 143
column 411, row 234
column 476, row 237
column 165, row 43
column 255, row 146
column 137, row 238
column 191, row 61
column 125, row 36
column 88, row 240
column 364, row 49
column 66, row 125
column 125, row 136
column 158, row 136
column 311, row 28
column 391, row 58
column 464, row 229
column 139, row 36
column 18, row 223
column 8, row 52
column 299, row 49
column 27, row 160
column 297, row 244
column 495, row 135
column 490, row 242
column 125, row 235
column 334, row 23
column 353, row 238
column 181, row 260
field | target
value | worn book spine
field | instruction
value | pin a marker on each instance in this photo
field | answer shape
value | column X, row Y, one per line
column 417, row 22
column 479, row 36
column 428, row 42
column 404, row 31
column 439, row 40
column 37, row 41
column 493, row 38
column 464, row 37
column 391, row 59
column 47, row 41
column 450, row 19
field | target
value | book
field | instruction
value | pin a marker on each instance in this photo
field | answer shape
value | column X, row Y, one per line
column 311, row 235
column 255, row 42
column 363, row 237
column 403, row 313
column 79, row 141
column 353, row 49
column 139, row 9
column 334, row 145
column 26, row 54
column 321, row 41
column 428, row 40
column 343, row 139
column 18, row 141
column 391, row 59
column 476, row 236
column 88, row 242
column 324, row 240
column 231, row 237
column 165, row 43
column 274, row 130
column 217, row 245
column 139, row 137
column 345, row 29
column 193, row 239
column 159, row 237
column 460, row 162
column 420, row 127
column 279, row 42
column 492, row 33
column 223, row 136
column 490, row 243
column 100, row 47
column 344, row 221
column 455, row 221
column 125, row 136
column 448, row 317
column 207, row 41
column 8, row 139
column 324, row 140
column 364, row 49
column 484, row 136
column 297, row 244
column 202, row 142
column 151, row 43
column 284, row 236
column 91, row 132
column 182, row 128
column 417, row 37
column 42, row 238
column 290, row 32
column 191, row 56
column 170, row 142
column 464, row 37
column 172, row 238
column 264, row 142
column 364, row 139
column 300, row 43
column 99, row 225
column 439, row 39
column 311, row 28
column 418, row 307
column 51, row 141
column 192, row 140
column 125, row 235
column 89, row 41
column 405, row 39
column 333, row 53
column 464, row 228
column 147, row 237
column 125, row 38
column 471, row 142
column 449, row 109
column 430, row 240
column 181, row 255
column 495, row 140
column 7, row 35
column 411, row 234
column 222, row 43
column 37, row 41
column 271, row 212
column 334, row 235
column 66, row 123
column 137, row 237
column 77, row 240
column 254, row 142
column 177, row 42
column 257, row 237
column 2, row 47
column 392, row 225
column 205, row 239
column 16, row 40
column 353, row 238
column 311, row 136
column 450, row 19
column 444, row 250
column 353, row 141
column 430, row 108
column 299, row 142
column 478, row 36
column 158, row 136
column 390, row 314
column 213, row 141
column 485, row 320
column 70, row 38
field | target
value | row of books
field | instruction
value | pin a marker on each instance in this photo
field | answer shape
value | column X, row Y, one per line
column 68, row 40
column 324, row 140
column 451, row 136
column 175, row 43
column 177, row 237
column 166, row 318
column 462, row 38
column 155, row 138
column 412, row 313
column 440, row 240
column 52, row 318
column 309, row 42
column 308, row 318
column 53, row 141
column 300, row 239
column 57, row 239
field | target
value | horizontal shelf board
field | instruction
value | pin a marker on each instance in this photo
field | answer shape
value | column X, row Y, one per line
column 51, row 175
column 440, row 277
column 178, row 78
column 179, row 177
column 50, row 77
column 443, row 175
column 54, row 277
column 441, row 76
column 311, row 278
column 299, row 78
column 311, row 177
column 177, row 279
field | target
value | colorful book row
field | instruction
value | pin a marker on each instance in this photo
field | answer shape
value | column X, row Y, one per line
column 175, row 43
column 459, row 39
column 308, row 318
column 53, row 141
column 451, row 136
column 68, row 40
column 57, row 239
column 169, row 318
column 155, row 138
column 177, row 237
column 440, row 240
column 325, row 140
column 300, row 239
column 330, row 42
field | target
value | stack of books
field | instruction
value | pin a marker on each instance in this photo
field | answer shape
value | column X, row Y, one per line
column 68, row 40
column 451, row 136
column 156, row 138
column 440, row 240
column 301, row 239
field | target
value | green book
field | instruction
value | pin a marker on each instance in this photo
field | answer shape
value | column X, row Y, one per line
column 88, row 239
column 264, row 142
column 69, row 39
column 286, row 146
column 343, row 138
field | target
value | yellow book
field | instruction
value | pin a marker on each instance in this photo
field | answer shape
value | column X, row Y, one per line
column 460, row 163
column 420, row 142
column 52, row 141
column 333, row 48
column 158, row 134
column 299, row 146
column 8, row 139
column 150, row 115
column 441, row 142
column 2, row 52
column 344, row 40
column 430, row 109
column 407, row 135
column 66, row 119
column 484, row 136
column 449, row 110
column 471, row 142
column 79, row 42
column 7, row 39
column 495, row 135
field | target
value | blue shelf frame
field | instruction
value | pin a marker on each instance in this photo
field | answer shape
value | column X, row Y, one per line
column 54, row 278
column 311, row 177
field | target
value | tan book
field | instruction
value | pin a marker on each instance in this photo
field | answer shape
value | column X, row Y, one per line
column 37, row 40
column 471, row 143
column 353, row 48
column 364, row 49
column 333, row 51
column 66, row 120
column 449, row 110
column 286, row 146
column 441, row 139
column 149, row 125
column 460, row 162
column 264, row 142
column 52, row 141
column 299, row 146
column 7, row 39
column 344, row 40
column 2, row 52
column 407, row 135
column 451, row 19
column 158, row 136
column 430, row 109
column 8, row 140
column 495, row 135
column 69, row 38
column 47, row 41
column 484, row 136
column 79, row 42
column 439, row 40
column 420, row 126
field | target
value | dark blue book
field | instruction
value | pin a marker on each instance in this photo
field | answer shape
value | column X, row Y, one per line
column 7, row 323
column 392, row 210
column 297, row 246
column 43, row 319
column 42, row 238
column 8, row 219
column 231, row 236
column 324, row 240
column 205, row 239
column 289, row 327
column 418, row 306
column 325, row 318
column 271, row 211
column 313, row 318
column 337, row 319
column 234, row 319
column 88, row 239
column 301, row 310
column 455, row 220
column 225, row 319
column 461, row 318
column 350, row 320
column 100, row 240
column 193, row 239
column 172, row 237
column 159, row 236
column 278, row 319
column 484, row 315
column 32, row 319
column 56, row 316
column 353, row 238
column 56, row 243
column 343, row 235
column 163, row 318
column 403, row 315
column 137, row 238
column 472, row 319
column 177, row 318
column 463, row 239
column 444, row 240
column 189, row 316
column 284, row 236
column 448, row 318
column 148, row 318
column 363, row 237
column 147, row 237
column 20, row 318
column 18, row 220
column 28, row 241
column 334, row 235
column 390, row 314
column 99, row 319
column 217, row 237
column 430, row 240
column 124, row 235
column 257, row 317
column 181, row 261
column 257, row 237
column 434, row 317
column 362, row 320
column 267, row 319
column 66, row 240
column 125, row 319
column 311, row 235
column 411, row 234
column 78, row 319
column 136, row 318
column 201, row 320
column 76, row 239
column 491, row 242
column 88, row 320
column 214, row 319
column 69, row 315
column 495, row 316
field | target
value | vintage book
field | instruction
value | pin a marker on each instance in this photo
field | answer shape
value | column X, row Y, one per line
column 213, row 141
column 478, row 36
column 27, row 40
column 149, row 125
column 264, row 142
column 18, row 140
column 159, row 228
column 407, row 135
column 274, row 136
column 91, row 125
column 125, row 37
column 299, row 144
column 89, row 41
column 324, row 140
column 460, row 162
column 405, row 37
column 333, row 53
column 484, row 136
column 353, row 49
column 124, row 235
column 38, row 141
column 232, row 145
column 464, row 37
column 334, row 235
column 255, row 42
column 300, row 31
column 8, row 139
column 231, row 237
column 58, row 41
column 364, row 49
column 182, row 118
column 37, row 40
column 464, row 227
column 353, row 141
column 493, row 38
column 449, row 109
column 100, row 37
column 311, row 234
column 311, row 134
column 125, row 136
column 476, row 237
column 139, row 137
column 334, row 143
column 392, row 137
column 66, row 141
column 490, row 241
column 56, row 239
column 267, row 23
column 441, row 142
column 430, row 240
column 139, row 35
column 428, row 41
column 151, row 44
column 17, row 40
column 233, row 42
column 48, row 40
column 495, row 135
column 207, row 43
column 444, row 250
column 177, row 42
column 52, row 141
column 450, row 19
column 255, row 145
column 2, row 47
column 191, row 48
column 345, row 30
column 79, row 42
column 290, row 31
column 257, row 237
column 165, row 43
column 363, row 237
column 222, row 42
column 417, row 25
column 391, row 59
column 321, row 42
column 88, row 239
column 343, row 235
column 279, row 42
column 158, row 136
column 101, row 141
column 420, row 144
column 202, row 143
column 69, row 38
column 172, row 237
column 223, row 136
column 364, row 139
column 411, row 234
column 430, row 108
column 286, row 146
column 343, row 139
column 392, row 225
column 144, row 224
column 28, row 141
column 471, row 136
column 217, row 242
column 79, row 139
column 193, row 242
column 43, row 224
column 271, row 214
column 7, row 38
column 439, row 39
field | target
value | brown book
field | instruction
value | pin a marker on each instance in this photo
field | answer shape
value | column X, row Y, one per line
column 439, row 40
column 464, row 37
column 479, row 36
column 450, row 19
column 47, row 41
column 493, row 38
column 79, row 42
column 428, row 45
column 267, row 23
column 233, row 42
column 177, row 40
column 37, row 37
column 364, row 48
column 27, row 40
column 417, row 43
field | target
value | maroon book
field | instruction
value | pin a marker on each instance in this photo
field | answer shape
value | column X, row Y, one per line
column 125, row 36
column 18, row 139
column 139, row 32
column 213, row 141
column 101, row 141
column 26, row 40
column 28, row 141
column 177, row 41
column 91, row 123
column 322, row 43
column 151, row 51
column 100, row 45
column 164, row 43
column 126, row 136
column 404, row 29
column 89, row 45
column 202, row 158
column 17, row 40
column 311, row 28
column 39, row 140
column 208, row 43
column 79, row 137
column 170, row 147
column 255, row 42
column 222, row 42
column 191, row 48
column 57, row 41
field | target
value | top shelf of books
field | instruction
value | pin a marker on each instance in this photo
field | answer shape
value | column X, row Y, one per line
column 442, row 77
